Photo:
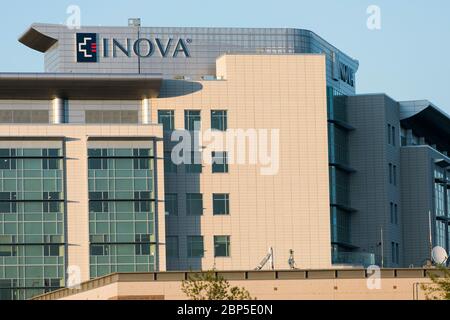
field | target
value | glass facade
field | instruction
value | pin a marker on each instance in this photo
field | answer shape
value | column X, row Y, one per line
column 441, row 207
column 121, row 211
column 340, row 211
column 32, row 218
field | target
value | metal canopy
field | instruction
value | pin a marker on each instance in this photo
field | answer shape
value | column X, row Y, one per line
column 43, row 86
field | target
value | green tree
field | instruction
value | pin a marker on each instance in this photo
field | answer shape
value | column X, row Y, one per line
column 210, row 286
column 439, row 288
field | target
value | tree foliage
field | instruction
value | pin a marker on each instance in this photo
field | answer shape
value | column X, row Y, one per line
column 210, row 286
column 439, row 288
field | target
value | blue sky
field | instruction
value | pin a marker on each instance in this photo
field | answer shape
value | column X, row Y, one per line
column 409, row 58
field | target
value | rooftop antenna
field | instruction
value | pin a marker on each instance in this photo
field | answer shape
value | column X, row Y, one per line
column 267, row 258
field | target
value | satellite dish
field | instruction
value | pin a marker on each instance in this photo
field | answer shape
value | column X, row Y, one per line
column 439, row 255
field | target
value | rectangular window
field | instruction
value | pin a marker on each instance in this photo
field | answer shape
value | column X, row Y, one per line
column 390, row 174
column 219, row 120
column 393, row 252
column 171, row 204
column 219, row 162
column 172, row 250
column 394, row 173
column 403, row 134
column 51, row 250
column 192, row 120
column 396, row 214
column 397, row 253
column 169, row 165
column 221, row 204
column 221, row 246
column 391, row 207
column 167, row 119
column 194, row 204
column 99, row 250
column 394, row 136
column 389, row 134
column 195, row 247
column 142, row 246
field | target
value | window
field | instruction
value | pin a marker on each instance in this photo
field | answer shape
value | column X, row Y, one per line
column 140, row 164
column 395, row 214
column 403, row 137
column 389, row 134
column 395, row 253
column 221, row 246
column 392, row 212
column 394, row 136
column 390, row 173
column 195, row 165
column 167, row 119
column 194, row 204
column 192, row 120
column 99, row 250
column 171, row 204
column 142, row 246
column 195, row 247
column 50, row 164
column 51, row 250
column 8, row 251
column 169, row 165
column 219, row 162
column 394, row 172
column 98, row 164
column 219, row 120
column 172, row 247
column 221, row 204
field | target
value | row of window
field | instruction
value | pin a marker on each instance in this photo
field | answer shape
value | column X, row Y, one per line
column 219, row 163
column 195, row 246
column 393, row 174
column 50, row 250
column 194, row 204
column 192, row 119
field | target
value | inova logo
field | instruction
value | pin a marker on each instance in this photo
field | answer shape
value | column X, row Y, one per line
column 87, row 47
column 88, row 51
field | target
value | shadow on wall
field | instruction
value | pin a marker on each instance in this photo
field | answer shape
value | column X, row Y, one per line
column 175, row 88
column 186, row 225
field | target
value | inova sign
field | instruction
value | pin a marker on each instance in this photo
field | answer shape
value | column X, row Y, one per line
column 88, row 50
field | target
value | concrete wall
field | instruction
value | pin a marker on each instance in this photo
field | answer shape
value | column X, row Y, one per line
column 370, row 191
column 287, row 210
column 400, row 284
